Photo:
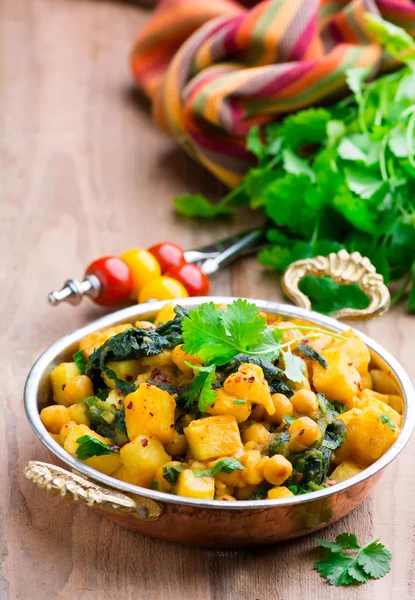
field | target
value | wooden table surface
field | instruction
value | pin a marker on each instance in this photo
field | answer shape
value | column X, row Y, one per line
column 84, row 173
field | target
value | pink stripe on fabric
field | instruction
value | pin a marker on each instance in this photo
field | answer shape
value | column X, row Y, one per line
column 396, row 5
column 297, row 71
column 305, row 39
column 219, row 146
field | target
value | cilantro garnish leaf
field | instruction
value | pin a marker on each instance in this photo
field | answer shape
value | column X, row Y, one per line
column 368, row 562
column 386, row 420
column 80, row 361
column 172, row 472
column 226, row 465
column 294, row 366
column 90, row 446
column 242, row 321
column 201, row 389
column 217, row 336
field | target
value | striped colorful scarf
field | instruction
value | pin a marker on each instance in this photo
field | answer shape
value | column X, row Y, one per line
column 214, row 68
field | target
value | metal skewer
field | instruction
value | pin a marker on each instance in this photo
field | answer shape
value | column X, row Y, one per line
column 209, row 258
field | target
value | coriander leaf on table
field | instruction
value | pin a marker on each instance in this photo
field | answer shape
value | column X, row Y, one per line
column 327, row 296
column 344, row 541
column 374, row 558
column 90, row 446
column 368, row 562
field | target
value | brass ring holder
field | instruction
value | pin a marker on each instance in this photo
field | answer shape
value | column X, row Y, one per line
column 344, row 269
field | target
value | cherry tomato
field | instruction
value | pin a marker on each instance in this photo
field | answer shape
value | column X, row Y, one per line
column 143, row 266
column 115, row 279
column 162, row 288
column 169, row 255
column 192, row 277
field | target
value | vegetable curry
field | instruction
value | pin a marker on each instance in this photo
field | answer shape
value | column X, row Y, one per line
column 224, row 403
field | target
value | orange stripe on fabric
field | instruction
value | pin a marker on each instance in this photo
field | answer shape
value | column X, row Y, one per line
column 277, row 29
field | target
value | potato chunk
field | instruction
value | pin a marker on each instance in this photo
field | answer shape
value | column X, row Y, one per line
column 345, row 470
column 213, row 436
column 195, row 487
column 127, row 370
column 141, row 458
column 341, row 378
column 369, row 435
column 150, row 410
column 225, row 404
column 105, row 464
column 355, row 349
column 60, row 377
column 249, row 383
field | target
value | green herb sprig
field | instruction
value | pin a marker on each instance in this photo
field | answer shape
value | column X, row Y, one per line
column 90, row 446
column 338, row 177
column 357, row 566
column 216, row 336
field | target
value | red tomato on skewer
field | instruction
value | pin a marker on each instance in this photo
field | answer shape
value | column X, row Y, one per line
column 168, row 255
column 192, row 278
column 115, row 279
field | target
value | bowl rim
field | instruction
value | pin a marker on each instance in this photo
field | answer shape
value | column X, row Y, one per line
column 139, row 310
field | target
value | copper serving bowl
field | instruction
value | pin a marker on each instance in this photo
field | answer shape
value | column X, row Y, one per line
column 193, row 521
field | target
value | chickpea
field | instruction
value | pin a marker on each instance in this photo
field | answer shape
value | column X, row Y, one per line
column 77, row 413
column 54, row 417
column 279, row 492
column 179, row 358
column 76, row 390
column 277, row 469
column 283, row 408
column 257, row 414
column 226, row 497
column 244, row 493
column 305, row 402
column 256, row 433
column 178, row 447
column 254, row 466
column 303, row 433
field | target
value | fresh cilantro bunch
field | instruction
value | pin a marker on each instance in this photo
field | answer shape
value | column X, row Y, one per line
column 216, row 336
column 358, row 565
column 338, row 177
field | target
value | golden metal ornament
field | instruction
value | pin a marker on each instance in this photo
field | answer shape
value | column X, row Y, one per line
column 344, row 269
column 59, row 482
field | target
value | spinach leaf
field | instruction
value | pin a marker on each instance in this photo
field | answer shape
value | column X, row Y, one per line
column 272, row 374
column 312, row 354
column 105, row 421
column 131, row 344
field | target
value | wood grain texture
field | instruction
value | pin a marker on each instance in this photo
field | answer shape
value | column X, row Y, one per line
column 83, row 173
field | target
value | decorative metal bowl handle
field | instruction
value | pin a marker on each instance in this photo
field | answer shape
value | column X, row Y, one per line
column 345, row 269
column 59, row 482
